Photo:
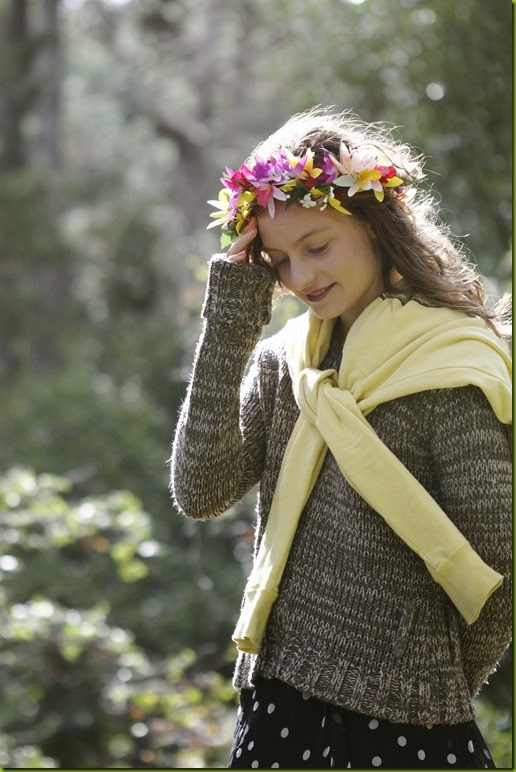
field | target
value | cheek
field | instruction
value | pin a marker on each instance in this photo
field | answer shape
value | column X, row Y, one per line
column 370, row 257
column 283, row 279
column 379, row 256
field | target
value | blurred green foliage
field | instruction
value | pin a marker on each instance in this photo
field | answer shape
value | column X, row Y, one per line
column 76, row 686
column 496, row 726
column 116, row 120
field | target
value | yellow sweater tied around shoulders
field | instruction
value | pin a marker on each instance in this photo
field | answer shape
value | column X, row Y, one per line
column 393, row 349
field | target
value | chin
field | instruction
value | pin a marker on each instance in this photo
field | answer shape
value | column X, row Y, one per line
column 324, row 315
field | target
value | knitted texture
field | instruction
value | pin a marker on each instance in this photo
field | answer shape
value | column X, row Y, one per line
column 359, row 621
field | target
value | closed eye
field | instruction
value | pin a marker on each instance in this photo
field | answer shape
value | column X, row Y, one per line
column 318, row 250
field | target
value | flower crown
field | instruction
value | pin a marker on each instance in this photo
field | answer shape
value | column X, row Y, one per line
column 289, row 178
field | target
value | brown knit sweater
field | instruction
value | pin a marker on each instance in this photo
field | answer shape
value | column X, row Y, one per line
column 359, row 621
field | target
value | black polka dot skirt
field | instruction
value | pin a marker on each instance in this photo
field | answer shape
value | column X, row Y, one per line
column 279, row 727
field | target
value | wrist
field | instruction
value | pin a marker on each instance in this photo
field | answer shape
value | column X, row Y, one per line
column 238, row 292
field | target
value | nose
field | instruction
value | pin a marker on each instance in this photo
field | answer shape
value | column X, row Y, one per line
column 302, row 274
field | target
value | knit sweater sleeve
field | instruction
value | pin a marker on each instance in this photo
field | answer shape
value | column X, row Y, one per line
column 472, row 455
column 219, row 442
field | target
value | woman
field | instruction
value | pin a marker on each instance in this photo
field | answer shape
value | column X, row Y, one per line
column 376, row 425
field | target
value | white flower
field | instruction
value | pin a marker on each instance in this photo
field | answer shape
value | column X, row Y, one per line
column 307, row 201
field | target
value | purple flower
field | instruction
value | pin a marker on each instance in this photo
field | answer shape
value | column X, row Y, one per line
column 329, row 172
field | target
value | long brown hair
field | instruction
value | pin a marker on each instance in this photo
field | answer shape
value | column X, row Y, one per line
column 411, row 238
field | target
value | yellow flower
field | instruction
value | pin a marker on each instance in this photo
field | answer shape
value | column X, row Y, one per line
column 224, row 214
column 308, row 167
column 335, row 203
column 241, row 218
column 246, row 198
column 393, row 182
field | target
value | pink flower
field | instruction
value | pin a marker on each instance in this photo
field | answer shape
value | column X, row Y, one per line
column 329, row 171
column 265, row 195
column 386, row 171
column 236, row 181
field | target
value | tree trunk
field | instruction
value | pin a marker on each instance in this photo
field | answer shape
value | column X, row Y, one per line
column 15, row 66
column 48, row 78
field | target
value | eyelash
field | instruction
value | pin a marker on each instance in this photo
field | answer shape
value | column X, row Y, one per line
column 313, row 251
column 318, row 250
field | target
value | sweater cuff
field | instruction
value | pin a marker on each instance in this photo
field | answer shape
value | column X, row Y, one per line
column 238, row 293
column 467, row 580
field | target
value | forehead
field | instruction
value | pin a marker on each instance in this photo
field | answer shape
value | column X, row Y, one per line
column 295, row 222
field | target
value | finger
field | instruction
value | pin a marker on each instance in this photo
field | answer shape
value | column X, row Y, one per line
column 244, row 240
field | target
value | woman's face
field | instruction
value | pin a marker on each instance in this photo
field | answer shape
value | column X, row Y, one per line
column 325, row 258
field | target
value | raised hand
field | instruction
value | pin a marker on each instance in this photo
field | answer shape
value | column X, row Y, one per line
column 238, row 252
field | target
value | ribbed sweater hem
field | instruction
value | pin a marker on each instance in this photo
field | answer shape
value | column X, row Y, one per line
column 439, row 699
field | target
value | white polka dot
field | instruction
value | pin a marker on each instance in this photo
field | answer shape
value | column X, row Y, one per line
column 451, row 758
column 326, row 751
column 256, row 705
column 402, row 740
column 246, row 729
column 306, row 755
column 275, row 765
column 254, row 764
column 376, row 761
column 323, row 722
column 271, row 708
column 306, row 696
column 349, row 765
column 471, row 747
column 332, row 762
column 421, row 755
column 253, row 695
column 238, row 753
column 373, row 724
column 486, row 753
column 284, row 732
column 250, row 746
column 429, row 726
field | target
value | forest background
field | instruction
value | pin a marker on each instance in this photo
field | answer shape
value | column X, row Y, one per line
column 116, row 121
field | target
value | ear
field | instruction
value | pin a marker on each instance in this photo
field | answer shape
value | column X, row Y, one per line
column 395, row 276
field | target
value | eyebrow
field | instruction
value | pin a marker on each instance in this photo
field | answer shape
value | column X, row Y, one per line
column 300, row 240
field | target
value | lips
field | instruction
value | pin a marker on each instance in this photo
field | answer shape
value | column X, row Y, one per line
column 317, row 295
